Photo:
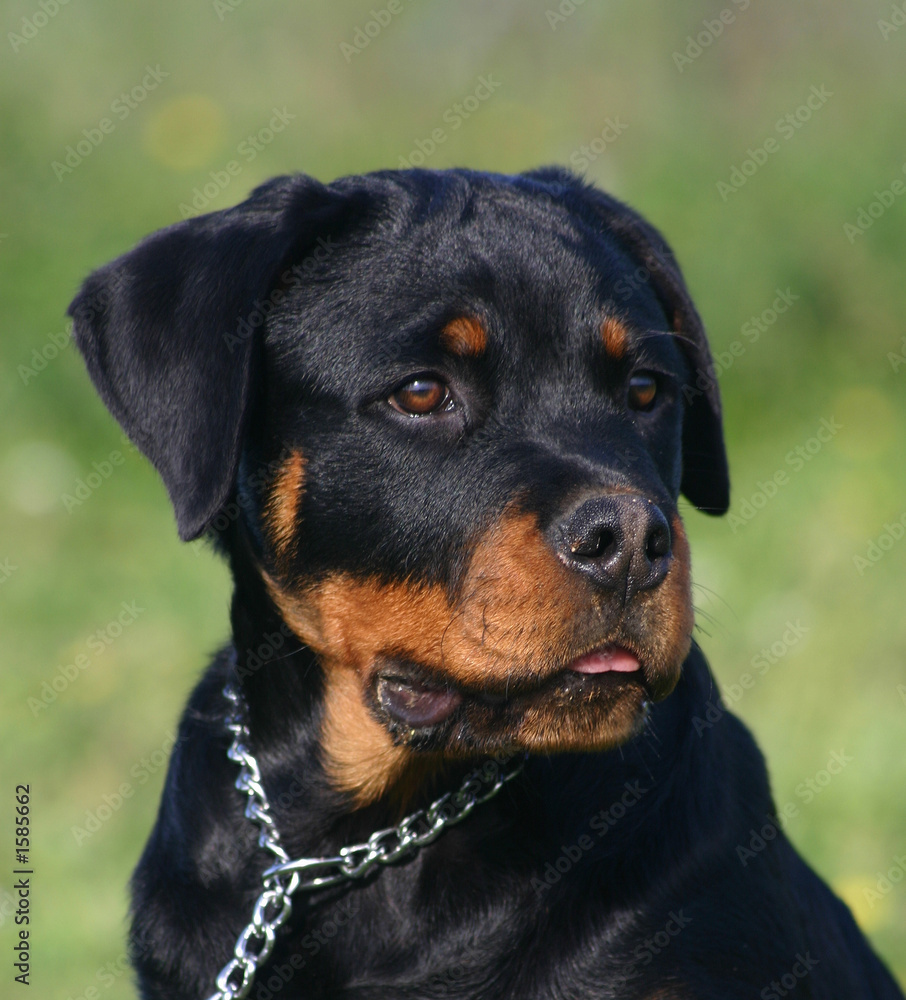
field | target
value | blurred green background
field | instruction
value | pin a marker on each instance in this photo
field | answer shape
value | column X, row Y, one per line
column 667, row 100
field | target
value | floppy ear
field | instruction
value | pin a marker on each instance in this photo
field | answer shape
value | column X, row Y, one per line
column 706, row 478
column 169, row 332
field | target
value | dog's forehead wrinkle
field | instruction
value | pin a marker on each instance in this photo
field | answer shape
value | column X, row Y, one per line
column 523, row 256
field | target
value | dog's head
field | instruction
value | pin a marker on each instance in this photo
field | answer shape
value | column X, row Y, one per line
column 455, row 411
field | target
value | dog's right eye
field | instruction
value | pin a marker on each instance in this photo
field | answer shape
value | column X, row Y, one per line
column 422, row 397
column 642, row 391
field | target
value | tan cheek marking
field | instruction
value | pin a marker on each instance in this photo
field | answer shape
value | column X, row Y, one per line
column 514, row 615
column 615, row 337
column 349, row 620
column 282, row 511
column 515, row 612
column 518, row 604
column 340, row 620
column 464, row 337
column 514, row 620
column 359, row 755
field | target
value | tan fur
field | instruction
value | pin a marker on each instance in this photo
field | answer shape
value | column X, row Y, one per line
column 521, row 616
column 464, row 337
column 514, row 613
column 282, row 512
column 615, row 337
column 361, row 755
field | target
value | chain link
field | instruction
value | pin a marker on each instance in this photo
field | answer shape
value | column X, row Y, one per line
column 281, row 880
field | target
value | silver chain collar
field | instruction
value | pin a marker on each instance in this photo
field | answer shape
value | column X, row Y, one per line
column 281, row 880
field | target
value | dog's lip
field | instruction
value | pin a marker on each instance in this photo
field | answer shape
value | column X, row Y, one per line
column 420, row 702
column 608, row 659
column 415, row 704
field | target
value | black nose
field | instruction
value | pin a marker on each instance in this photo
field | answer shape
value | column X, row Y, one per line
column 621, row 540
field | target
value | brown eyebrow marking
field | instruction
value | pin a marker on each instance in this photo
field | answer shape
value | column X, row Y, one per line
column 465, row 337
column 615, row 337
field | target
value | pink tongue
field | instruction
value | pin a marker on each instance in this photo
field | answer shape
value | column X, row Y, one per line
column 611, row 658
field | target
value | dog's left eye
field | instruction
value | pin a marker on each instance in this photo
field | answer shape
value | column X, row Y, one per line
column 642, row 391
column 422, row 397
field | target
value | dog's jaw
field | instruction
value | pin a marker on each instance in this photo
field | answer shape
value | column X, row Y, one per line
column 528, row 657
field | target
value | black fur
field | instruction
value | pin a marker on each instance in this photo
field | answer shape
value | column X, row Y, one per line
column 286, row 323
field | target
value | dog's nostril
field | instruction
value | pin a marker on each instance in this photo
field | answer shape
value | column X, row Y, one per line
column 622, row 541
column 657, row 545
column 596, row 545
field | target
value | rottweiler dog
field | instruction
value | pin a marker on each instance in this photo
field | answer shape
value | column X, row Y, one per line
column 438, row 423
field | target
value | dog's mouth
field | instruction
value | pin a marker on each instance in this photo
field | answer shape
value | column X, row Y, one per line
column 424, row 708
column 609, row 660
column 525, row 657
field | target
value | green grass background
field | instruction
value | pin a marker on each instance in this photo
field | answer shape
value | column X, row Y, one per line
column 839, row 688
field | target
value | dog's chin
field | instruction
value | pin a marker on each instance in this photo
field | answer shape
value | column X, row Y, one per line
column 597, row 701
